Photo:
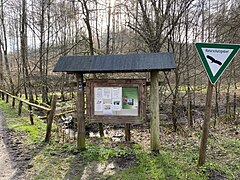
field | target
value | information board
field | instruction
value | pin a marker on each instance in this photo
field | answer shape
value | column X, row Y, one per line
column 114, row 100
column 119, row 101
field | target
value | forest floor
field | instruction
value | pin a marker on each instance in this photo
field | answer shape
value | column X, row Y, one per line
column 26, row 156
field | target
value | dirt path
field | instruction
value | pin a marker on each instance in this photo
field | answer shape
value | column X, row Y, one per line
column 6, row 170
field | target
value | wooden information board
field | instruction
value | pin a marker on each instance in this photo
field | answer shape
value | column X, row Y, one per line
column 116, row 101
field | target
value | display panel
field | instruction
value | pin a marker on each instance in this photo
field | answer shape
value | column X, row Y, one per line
column 118, row 100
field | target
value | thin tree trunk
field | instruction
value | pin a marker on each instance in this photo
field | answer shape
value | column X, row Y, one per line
column 47, row 52
column 228, row 99
column 108, row 31
column 89, row 29
column 1, row 70
column 189, row 99
column 24, row 49
column 174, row 101
column 4, row 46
column 41, row 52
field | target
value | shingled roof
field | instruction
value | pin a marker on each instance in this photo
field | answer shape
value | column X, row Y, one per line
column 116, row 63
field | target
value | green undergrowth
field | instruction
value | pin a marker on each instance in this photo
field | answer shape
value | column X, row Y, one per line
column 22, row 124
column 177, row 159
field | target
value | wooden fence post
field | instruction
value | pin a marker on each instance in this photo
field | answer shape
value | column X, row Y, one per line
column 50, row 119
column 13, row 102
column 3, row 96
column 20, row 108
column 7, row 97
column 30, row 114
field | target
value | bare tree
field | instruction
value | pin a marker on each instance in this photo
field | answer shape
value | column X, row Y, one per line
column 1, row 70
column 153, row 26
column 4, row 47
column 24, row 50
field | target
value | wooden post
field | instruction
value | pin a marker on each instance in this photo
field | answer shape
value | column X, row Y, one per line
column 100, row 126
column 50, row 119
column 7, row 97
column 30, row 114
column 127, row 132
column 154, row 110
column 13, row 102
column 3, row 96
column 203, row 145
column 20, row 108
column 80, row 103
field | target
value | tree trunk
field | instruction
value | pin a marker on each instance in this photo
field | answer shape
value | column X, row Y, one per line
column 174, row 101
column 4, row 46
column 89, row 29
column 189, row 96
column 108, row 31
column 1, row 70
column 42, row 53
column 24, row 50
column 189, row 108
column 228, row 98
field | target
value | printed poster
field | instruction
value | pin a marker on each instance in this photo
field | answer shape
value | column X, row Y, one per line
column 117, row 104
column 116, row 101
column 130, row 98
column 98, row 93
column 107, row 109
column 117, row 92
column 98, row 105
column 107, row 93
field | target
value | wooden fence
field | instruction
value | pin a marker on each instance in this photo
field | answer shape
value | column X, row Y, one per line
column 49, row 111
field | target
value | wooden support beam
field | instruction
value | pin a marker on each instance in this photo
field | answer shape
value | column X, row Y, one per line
column 50, row 119
column 127, row 132
column 154, row 111
column 100, row 126
column 80, row 104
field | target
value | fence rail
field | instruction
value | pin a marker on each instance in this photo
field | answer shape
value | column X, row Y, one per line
column 50, row 111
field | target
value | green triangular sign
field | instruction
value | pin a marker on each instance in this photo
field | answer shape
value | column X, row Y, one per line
column 216, row 58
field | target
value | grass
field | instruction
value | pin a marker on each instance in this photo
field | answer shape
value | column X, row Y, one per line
column 22, row 124
column 177, row 159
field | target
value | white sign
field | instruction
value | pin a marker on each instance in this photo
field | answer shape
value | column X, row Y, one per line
column 216, row 58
